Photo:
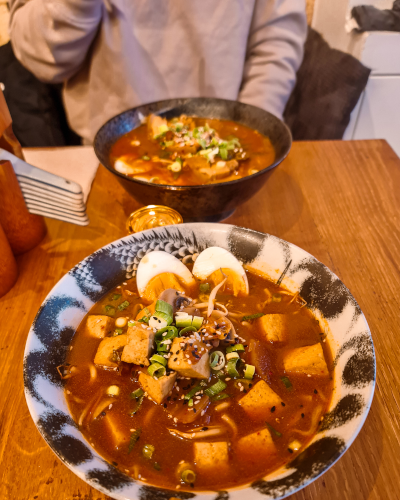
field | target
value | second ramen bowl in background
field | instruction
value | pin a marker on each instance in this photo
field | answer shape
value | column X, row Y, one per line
column 204, row 202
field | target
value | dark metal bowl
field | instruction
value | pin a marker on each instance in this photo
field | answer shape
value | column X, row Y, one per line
column 207, row 202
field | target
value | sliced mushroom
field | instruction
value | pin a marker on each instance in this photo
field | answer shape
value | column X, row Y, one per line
column 176, row 299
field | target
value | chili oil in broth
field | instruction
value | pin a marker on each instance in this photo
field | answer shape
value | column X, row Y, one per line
column 258, row 148
column 305, row 402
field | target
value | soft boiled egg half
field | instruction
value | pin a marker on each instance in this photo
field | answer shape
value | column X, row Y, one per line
column 215, row 264
column 158, row 271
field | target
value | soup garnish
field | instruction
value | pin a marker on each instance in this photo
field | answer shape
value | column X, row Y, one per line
column 189, row 151
column 198, row 377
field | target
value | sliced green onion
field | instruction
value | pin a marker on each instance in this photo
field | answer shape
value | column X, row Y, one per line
column 163, row 316
column 162, row 347
column 131, row 323
column 148, row 450
column 232, row 355
column 216, row 388
column 220, row 396
column 187, row 329
column 145, row 157
column 110, row 310
column 137, row 393
column 183, row 321
column 287, row 383
column 204, row 287
column 223, row 152
column 139, row 400
column 156, row 370
column 135, row 436
column 197, row 321
column 249, row 371
column 157, row 466
column 117, row 331
column 220, row 374
column 231, row 368
column 164, row 307
column 144, row 319
column 252, row 316
column 172, row 332
column 235, row 348
column 115, row 296
column 190, row 402
column 217, row 360
column 188, row 476
column 156, row 358
column 123, row 305
column 193, row 391
column 273, row 431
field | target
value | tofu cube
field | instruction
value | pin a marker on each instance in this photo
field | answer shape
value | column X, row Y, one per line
column 139, row 345
column 255, row 446
column 211, row 456
column 106, row 349
column 158, row 389
column 272, row 327
column 185, row 363
column 307, row 360
column 99, row 326
column 260, row 400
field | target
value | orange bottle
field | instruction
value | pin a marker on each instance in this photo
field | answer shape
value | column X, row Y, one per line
column 8, row 266
column 8, row 141
column 23, row 229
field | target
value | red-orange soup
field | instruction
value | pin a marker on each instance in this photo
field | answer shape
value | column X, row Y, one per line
column 202, row 151
column 159, row 456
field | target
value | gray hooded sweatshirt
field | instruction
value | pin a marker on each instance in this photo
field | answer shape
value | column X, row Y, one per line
column 112, row 55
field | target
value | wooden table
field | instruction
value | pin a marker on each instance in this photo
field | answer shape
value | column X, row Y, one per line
column 340, row 201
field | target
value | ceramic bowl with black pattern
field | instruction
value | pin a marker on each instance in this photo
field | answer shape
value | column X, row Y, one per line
column 204, row 202
column 331, row 302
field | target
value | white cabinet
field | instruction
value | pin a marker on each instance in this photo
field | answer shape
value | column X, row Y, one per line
column 377, row 114
column 379, row 111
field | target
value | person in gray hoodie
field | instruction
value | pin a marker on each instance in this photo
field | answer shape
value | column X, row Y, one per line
column 112, row 55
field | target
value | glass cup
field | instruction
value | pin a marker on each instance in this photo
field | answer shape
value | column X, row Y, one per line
column 152, row 216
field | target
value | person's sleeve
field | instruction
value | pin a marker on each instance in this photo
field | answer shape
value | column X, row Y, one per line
column 274, row 53
column 51, row 37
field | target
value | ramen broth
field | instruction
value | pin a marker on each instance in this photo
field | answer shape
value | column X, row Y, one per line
column 222, row 151
column 143, row 444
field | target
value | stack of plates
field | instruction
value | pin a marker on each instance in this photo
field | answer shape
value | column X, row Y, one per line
column 48, row 194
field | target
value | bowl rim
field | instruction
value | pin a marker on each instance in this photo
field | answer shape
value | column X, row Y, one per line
column 194, row 186
column 33, row 405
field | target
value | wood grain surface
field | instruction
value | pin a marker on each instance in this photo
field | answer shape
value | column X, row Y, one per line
column 339, row 201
